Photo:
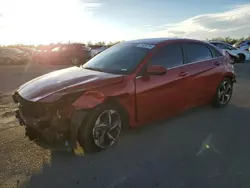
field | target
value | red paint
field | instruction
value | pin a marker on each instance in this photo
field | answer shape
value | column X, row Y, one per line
column 146, row 98
column 62, row 54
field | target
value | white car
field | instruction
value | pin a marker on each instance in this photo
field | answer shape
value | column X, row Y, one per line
column 244, row 45
column 95, row 51
column 237, row 54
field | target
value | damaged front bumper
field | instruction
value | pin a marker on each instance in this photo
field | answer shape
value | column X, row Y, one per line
column 43, row 123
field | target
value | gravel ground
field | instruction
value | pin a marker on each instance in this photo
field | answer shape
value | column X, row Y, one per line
column 165, row 154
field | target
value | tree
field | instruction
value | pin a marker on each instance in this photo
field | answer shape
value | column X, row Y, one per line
column 229, row 40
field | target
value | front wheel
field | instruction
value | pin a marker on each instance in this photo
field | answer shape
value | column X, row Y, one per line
column 102, row 129
column 224, row 93
column 75, row 61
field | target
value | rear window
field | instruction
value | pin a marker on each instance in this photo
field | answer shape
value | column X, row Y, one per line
column 196, row 52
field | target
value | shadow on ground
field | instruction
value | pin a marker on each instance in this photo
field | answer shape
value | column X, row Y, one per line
column 163, row 155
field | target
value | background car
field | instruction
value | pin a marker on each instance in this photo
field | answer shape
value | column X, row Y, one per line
column 66, row 54
column 29, row 50
column 96, row 50
column 129, row 84
column 244, row 45
column 238, row 55
column 11, row 56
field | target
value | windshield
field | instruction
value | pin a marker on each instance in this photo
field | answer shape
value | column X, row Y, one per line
column 122, row 58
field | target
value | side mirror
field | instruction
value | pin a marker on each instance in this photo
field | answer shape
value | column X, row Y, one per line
column 156, row 70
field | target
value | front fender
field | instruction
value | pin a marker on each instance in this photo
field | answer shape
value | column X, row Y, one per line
column 89, row 99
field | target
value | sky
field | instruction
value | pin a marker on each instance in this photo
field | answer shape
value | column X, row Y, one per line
column 50, row 21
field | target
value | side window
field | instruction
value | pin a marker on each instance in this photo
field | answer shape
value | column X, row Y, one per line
column 228, row 47
column 215, row 44
column 168, row 56
column 196, row 52
column 223, row 46
column 214, row 51
column 233, row 48
column 248, row 43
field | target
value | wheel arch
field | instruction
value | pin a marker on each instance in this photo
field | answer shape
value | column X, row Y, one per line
column 125, row 115
column 243, row 55
column 230, row 76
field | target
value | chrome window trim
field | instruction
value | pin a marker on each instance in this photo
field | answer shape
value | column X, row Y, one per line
column 185, row 64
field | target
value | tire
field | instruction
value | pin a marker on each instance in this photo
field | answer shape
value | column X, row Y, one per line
column 223, row 93
column 75, row 61
column 89, row 132
column 241, row 58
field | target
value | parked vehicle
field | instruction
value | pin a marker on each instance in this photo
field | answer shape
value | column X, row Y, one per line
column 11, row 56
column 129, row 84
column 244, row 45
column 67, row 54
column 28, row 50
column 97, row 50
column 237, row 54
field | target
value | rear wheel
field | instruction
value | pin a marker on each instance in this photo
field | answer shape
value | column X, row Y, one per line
column 102, row 129
column 224, row 93
column 241, row 58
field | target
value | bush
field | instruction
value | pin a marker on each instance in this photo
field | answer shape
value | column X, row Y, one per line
column 229, row 40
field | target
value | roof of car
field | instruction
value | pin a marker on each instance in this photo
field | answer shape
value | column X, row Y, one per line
column 156, row 40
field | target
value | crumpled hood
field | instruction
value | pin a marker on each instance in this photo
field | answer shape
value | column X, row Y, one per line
column 63, row 79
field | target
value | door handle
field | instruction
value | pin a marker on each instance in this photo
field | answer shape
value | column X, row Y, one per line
column 217, row 63
column 183, row 74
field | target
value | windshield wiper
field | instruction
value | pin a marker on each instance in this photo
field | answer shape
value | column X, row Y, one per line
column 94, row 69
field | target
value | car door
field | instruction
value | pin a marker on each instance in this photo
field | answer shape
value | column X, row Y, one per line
column 159, row 96
column 204, row 70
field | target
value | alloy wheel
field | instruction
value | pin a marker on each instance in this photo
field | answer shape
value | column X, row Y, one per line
column 225, row 92
column 75, row 61
column 107, row 128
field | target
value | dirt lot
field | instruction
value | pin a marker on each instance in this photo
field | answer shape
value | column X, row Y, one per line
column 165, row 154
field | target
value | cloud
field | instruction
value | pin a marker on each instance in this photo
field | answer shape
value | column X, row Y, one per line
column 91, row 5
column 234, row 23
column 63, row 20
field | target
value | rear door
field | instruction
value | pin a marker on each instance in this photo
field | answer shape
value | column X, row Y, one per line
column 204, row 70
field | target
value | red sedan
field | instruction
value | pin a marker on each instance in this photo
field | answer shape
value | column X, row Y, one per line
column 127, row 85
column 63, row 54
